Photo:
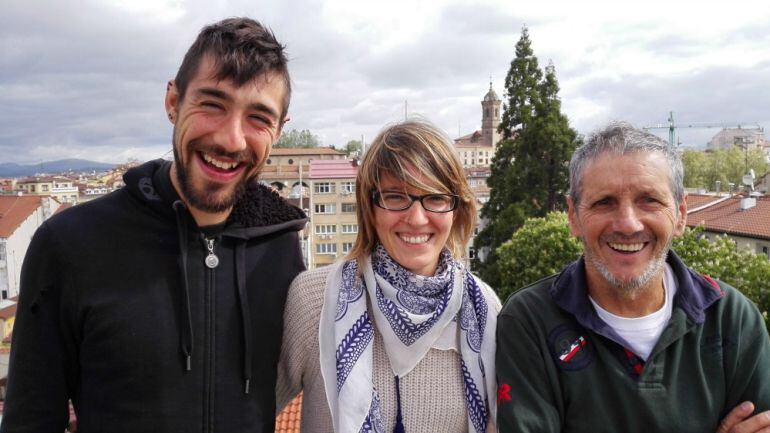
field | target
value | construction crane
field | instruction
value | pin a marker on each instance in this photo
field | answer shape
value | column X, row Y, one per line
column 672, row 126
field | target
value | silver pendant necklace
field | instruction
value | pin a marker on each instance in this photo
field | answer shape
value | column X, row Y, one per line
column 212, row 261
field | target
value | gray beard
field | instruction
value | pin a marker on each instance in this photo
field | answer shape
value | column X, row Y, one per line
column 633, row 287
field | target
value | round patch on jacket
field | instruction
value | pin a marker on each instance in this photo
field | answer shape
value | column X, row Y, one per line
column 570, row 347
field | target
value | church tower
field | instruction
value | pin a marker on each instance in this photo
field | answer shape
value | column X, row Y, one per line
column 490, row 118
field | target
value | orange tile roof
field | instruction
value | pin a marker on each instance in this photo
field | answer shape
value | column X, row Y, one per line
column 698, row 200
column 288, row 420
column 727, row 217
column 14, row 210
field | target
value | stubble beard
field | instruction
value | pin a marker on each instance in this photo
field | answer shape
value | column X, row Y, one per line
column 210, row 197
column 634, row 286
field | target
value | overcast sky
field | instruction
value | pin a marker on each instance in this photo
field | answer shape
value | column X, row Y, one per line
column 86, row 78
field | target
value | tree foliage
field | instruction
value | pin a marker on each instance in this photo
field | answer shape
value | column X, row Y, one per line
column 541, row 247
column 352, row 146
column 303, row 139
column 722, row 259
column 704, row 169
column 544, row 246
column 529, row 173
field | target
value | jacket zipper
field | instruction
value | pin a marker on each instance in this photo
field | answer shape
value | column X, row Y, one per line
column 211, row 261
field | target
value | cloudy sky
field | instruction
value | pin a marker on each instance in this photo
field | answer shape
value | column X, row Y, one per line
column 86, row 78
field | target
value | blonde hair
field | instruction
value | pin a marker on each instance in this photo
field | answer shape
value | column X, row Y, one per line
column 404, row 151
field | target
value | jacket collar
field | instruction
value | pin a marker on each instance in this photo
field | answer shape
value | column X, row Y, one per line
column 259, row 212
column 694, row 295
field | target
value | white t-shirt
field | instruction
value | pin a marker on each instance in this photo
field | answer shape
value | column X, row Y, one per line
column 643, row 332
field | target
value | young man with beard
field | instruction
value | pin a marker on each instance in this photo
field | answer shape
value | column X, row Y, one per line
column 159, row 307
column 628, row 338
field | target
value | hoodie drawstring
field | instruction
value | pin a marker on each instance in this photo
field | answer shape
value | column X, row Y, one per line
column 240, row 278
column 185, row 326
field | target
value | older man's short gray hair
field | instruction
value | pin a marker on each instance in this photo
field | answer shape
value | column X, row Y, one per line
column 621, row 138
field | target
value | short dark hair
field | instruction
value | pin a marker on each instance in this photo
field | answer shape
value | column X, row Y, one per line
column 241, row 49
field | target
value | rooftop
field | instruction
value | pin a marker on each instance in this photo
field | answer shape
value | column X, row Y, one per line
column 14, row 210
column 724, row 215
column 288, row 420
column 333, row 169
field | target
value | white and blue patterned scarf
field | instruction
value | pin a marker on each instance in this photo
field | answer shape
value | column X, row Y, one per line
column 413, row 314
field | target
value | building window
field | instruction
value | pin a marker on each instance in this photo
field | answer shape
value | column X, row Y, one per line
column 291, row 161
column 325, row 229
column 348, row 208
column 326, row 208
column 269, row 161
column 324, row 188
column 348, row 187
column 347, row 246
column 32, row 188
column 44, row 188
column 326, row 248
column 2, row 252
column 766, row 251
column 350, row 228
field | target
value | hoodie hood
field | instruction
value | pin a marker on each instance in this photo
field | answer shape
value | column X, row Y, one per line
column 260, row 211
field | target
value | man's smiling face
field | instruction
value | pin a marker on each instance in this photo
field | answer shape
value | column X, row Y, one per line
column 222, row 135
column 627, row 217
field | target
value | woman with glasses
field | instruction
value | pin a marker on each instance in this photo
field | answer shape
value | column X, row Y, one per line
column 399, row 337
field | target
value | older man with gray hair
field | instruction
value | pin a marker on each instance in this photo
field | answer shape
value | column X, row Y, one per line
column 628, row 338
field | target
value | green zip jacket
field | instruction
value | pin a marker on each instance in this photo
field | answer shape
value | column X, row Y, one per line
column 560, row 368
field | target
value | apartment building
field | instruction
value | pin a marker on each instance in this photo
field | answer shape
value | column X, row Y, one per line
column 333, row 220
column 62, row 189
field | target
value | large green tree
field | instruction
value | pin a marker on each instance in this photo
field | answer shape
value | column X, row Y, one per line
column 704, row 169
column 544, row 246
column 529, row 175
column 298, row 139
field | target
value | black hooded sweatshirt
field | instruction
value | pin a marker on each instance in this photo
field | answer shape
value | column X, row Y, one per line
column 120, row 313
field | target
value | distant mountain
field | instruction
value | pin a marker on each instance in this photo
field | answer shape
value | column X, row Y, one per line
column 10, row 169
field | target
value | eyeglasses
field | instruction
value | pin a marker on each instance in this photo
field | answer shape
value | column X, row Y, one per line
column 398, row 201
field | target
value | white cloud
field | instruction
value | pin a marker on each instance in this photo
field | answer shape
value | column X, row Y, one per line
column 89, row 81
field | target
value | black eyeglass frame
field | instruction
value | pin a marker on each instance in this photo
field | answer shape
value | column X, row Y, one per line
column 413, row 198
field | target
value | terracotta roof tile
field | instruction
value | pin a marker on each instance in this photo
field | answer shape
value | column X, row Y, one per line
column 727, row 217
column 14, row 210
column 698, row 200
column 288, row 420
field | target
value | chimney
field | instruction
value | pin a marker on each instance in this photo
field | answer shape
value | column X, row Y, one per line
column 748, row 203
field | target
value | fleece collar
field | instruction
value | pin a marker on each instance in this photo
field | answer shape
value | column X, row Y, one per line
column 260, row 211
